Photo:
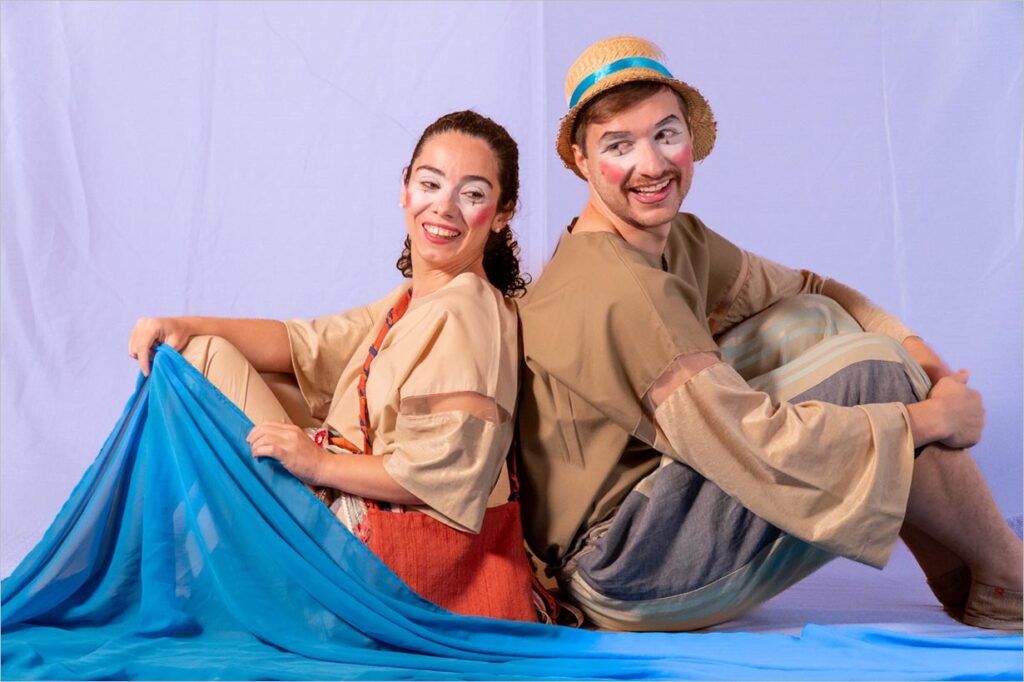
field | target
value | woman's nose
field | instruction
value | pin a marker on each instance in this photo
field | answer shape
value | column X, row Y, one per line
column 445, row 206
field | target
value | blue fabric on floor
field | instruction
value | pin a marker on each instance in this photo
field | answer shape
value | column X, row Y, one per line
column 180, row 556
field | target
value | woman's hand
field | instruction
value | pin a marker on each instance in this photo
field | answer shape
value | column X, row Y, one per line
column 963, row 407
column 152, row 331
column 289, row 445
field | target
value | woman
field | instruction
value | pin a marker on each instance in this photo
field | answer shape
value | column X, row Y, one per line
column 433, row 399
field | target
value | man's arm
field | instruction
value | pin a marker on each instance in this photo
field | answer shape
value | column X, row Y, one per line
column 762, row 283
column 832, row 475
column 874, row 319
column 951, row 415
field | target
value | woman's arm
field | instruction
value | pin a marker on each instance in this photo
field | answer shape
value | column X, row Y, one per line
column 264, row 343
column 354, row 473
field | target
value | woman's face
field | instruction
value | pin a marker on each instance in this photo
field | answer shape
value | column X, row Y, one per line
column 451, row 203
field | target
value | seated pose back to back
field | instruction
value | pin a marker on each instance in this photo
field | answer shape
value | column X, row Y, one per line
column 440, row 392
column 701, row 427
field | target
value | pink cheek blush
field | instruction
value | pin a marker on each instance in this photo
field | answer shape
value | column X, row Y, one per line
column 684, row 157
column 483, row 218
column 416, row 201
column 612, row 172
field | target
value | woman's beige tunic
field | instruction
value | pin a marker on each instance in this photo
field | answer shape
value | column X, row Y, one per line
column 456, row 341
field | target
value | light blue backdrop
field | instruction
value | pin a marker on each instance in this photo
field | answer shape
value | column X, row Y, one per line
column 244, row 159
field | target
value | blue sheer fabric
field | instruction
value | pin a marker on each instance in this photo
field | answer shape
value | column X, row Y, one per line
column 180, row 556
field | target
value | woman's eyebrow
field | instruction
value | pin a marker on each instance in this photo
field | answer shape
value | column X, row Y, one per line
column 468, row 178
column 478, row 178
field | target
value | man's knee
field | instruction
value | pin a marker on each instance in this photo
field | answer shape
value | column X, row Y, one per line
column 876, row 345
column 833, row 316
column 783, row 332
column 889, row 348
column 866, row 368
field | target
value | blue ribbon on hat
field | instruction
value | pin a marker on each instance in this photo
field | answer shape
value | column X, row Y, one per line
column 615, row 67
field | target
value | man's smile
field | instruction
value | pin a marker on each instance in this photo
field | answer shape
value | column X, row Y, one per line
column 653, row 193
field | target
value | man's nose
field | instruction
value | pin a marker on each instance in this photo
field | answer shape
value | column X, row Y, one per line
column 652, row 162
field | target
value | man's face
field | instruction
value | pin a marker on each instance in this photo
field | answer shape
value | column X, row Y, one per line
column 640, row 162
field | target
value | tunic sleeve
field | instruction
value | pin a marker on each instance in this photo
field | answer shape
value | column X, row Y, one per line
column 454, row 427
column 450, row 460
column 321, row 348
column 770, row 457
column 764, row 283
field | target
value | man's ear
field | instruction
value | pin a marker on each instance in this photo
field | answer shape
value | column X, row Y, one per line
column 581, row 161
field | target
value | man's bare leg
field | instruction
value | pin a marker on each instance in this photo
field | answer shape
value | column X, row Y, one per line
column 951, row 504
column 946, row 573
column 950, row 501
column 934, row 558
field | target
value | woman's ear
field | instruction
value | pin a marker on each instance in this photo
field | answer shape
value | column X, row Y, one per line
column 501, row 221
column 403, row 195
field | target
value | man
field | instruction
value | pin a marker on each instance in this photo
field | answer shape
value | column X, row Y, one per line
column 701, row 427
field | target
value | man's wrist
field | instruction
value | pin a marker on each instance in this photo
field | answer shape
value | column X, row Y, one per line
column 928, row 422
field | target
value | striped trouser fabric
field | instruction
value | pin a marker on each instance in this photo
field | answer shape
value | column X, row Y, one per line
column 680, row 554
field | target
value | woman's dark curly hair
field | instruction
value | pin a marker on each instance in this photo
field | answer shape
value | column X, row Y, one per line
column 501, row 253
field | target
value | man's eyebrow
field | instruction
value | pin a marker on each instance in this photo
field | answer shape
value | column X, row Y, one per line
column 614, row 135
column 622, row 135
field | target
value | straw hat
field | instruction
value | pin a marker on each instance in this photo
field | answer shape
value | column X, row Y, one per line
column 619, row 60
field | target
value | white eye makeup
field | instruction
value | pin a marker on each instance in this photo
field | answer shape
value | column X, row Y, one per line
column 475, row 194
column 427, row 181
column 669, row 135
column 618, row 148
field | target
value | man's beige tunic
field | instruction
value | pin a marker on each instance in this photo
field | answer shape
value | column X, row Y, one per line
column 601, row 326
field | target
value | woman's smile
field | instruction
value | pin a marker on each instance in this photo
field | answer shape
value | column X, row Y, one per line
column 439, row 233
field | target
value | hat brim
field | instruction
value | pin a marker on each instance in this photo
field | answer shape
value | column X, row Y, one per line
column 703, row 128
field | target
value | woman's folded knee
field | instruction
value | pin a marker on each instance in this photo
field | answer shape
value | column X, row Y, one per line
column 207, row 352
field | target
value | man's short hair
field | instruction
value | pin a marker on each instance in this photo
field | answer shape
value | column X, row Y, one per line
column 615, row 101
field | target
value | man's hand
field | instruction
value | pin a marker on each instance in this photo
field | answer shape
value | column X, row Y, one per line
column 963, row 409
column 289, row 445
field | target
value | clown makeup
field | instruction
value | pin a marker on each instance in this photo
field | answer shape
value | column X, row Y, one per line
column 640, row 162
column 450, row 202
column 471, row 197
column 645, row 167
